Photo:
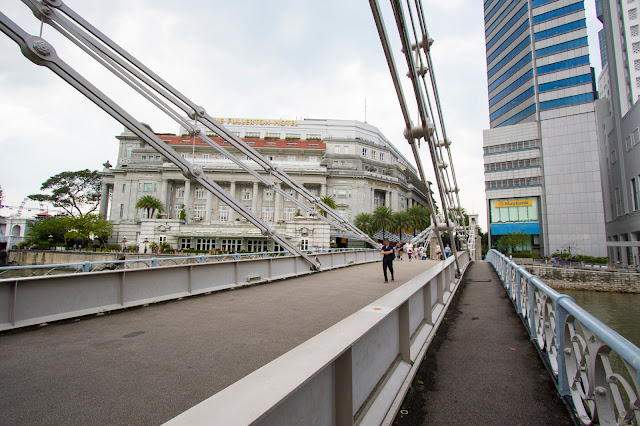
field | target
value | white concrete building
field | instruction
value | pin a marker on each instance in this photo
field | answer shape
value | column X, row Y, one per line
column 349, row 160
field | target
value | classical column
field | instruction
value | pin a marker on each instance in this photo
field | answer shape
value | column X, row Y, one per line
column 187, row 199
column 163, row 195
column 373, row 199
column 232, row 192
column 254, row 199
column 207, row 215
column 323, row 190
column 278, row 204
column 104, row 200
column 387, row 199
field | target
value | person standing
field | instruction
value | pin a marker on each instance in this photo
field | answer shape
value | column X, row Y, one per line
column 438, row 252
column 447, row 251
column 409, row 247
column 387, row 259
column 421, row 251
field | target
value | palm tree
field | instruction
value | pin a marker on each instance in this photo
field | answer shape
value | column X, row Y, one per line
column 383, row 218
column 364, row 222
column 401, row 222
column 150, row 204
column 329, row 201
column 420, row 217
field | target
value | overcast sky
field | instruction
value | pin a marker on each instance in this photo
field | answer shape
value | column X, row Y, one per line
column 288, row 59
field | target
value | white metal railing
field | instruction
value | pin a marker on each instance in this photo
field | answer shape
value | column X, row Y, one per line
column 35, row 300
column 595, row 367
column 356, row 372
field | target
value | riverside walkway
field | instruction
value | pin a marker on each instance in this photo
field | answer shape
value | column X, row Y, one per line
column 147, row 365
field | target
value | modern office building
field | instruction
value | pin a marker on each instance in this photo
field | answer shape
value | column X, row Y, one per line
column 542, row 171
column 351, row 161
column 618, row 118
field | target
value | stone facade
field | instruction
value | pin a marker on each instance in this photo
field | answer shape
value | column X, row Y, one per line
column 583, row 279
column 350, row 161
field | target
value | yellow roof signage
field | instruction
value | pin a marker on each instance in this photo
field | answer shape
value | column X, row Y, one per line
column 256, row 122
column 514, row 203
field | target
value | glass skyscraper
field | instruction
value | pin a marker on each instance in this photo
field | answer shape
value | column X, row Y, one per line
column 541, row 157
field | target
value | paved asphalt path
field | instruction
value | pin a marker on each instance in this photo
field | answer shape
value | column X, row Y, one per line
column 481, row 368
column 144, row 366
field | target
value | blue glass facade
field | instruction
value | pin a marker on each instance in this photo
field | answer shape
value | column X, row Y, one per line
column 515, row 39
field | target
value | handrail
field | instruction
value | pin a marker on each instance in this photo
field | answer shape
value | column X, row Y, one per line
column 578, row 347
column 152, row 262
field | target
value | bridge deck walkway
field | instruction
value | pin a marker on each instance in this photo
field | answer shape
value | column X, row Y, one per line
column 147, row 365
column 481, row 368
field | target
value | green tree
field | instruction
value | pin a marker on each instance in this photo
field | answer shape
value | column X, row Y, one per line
column 150, row 204
column 364, row 221
column 67, row 229
column 383, row 219
column 401, row 223
column 329, row 201
column 508, row 242
column 420, row 218
column 77, row 193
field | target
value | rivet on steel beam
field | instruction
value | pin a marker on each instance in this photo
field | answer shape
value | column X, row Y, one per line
column 41, row 47
column 601, row 391
column 46, row 10
column 267, row 232
column 568, row 351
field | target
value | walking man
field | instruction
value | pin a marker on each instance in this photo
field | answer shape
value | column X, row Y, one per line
column 387, row 259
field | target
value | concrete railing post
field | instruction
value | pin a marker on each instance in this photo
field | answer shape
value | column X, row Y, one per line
column 404, row 332
column 343, row 388
column 428, row 309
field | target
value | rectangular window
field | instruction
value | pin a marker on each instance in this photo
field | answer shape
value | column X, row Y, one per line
column 252, row 135
column 246, row 194
column 272, row 135
column 144, row 157
column 205, row 244
column 201, row 193
column 342, row 193
column 614, row 157
column 257, row 246
column 628, row 144
column 634, row 190
column 129, row 151
column 291, row 158
column 636, row 136
column 180, row 192
column 304, row 244
column 267, row 195
column 267, row 214
column 185, row 243
column 177, row 209
column 223, row 213
column 364, row 152
column 231, row 245
column 121, row 211
column 289, row 213
column 382, row 156
column 633, row 13
column 374, row 154
column 206, row 156
column 199, row 211
column 338, row 149
column 291, row 193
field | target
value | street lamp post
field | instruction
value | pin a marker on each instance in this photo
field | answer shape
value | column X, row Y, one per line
column 146, row 241
column 124, row 243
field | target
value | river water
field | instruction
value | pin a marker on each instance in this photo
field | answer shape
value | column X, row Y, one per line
column 620, row 311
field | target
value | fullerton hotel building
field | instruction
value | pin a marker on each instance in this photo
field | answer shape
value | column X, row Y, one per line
column 351, row 161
